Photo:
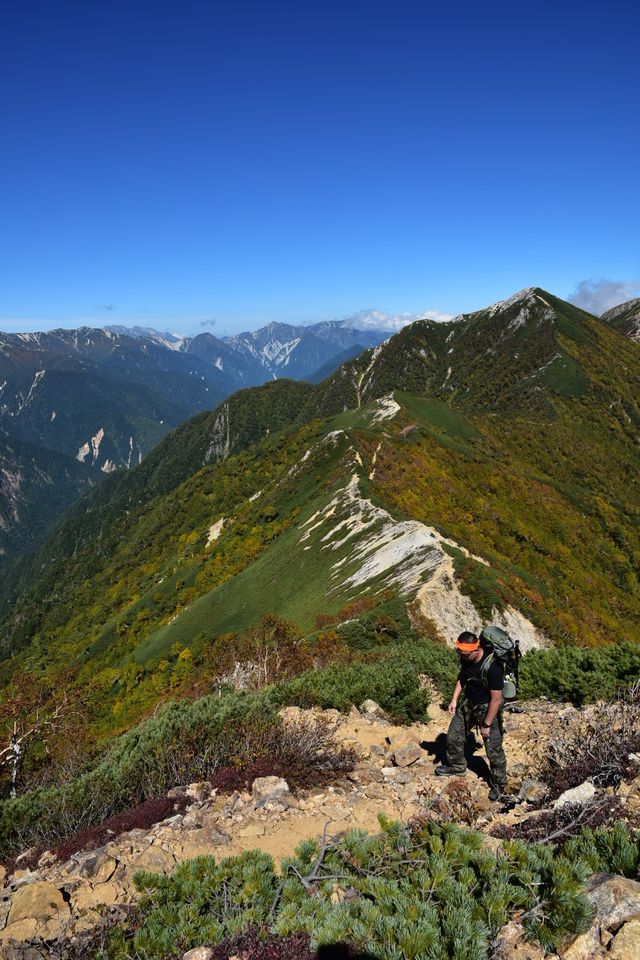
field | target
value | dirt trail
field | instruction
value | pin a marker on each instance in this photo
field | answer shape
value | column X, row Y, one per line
column 394, row 775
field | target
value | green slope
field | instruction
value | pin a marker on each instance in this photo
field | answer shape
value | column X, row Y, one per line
column 537, row 475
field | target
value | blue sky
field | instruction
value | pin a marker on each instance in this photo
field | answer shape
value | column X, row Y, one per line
column 179, row 163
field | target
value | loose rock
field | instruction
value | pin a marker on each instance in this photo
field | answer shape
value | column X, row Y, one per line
column 579, row 796
column 405, row 756
column 266, row 788
column 198, row 953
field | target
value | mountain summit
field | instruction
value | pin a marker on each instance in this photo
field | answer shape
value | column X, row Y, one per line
column 515, row 355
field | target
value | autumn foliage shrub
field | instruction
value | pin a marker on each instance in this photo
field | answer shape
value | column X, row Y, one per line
column 305, row 754
column 601, row 745
column 142, row 817
column 256, row 944
column 184, row 742
column 567, row 821
column 272, row 648
column 259, row 944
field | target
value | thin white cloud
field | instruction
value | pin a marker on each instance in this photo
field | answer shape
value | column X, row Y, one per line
column 596, row 296
column 379, row 320
column 436, row 315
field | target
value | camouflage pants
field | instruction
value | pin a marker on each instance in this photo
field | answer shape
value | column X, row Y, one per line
column 467, row 716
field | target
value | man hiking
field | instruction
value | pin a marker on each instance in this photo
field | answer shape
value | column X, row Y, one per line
column 476, row 702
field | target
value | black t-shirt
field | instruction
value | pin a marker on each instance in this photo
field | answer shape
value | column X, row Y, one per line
column 470, row 677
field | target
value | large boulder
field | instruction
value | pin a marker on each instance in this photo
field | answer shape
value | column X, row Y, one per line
column 265, row 789
column 616, row 905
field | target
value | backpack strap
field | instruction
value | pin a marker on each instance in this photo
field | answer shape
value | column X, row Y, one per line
column 484, row 670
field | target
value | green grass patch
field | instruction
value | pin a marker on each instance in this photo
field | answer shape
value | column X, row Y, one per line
column 565, row 376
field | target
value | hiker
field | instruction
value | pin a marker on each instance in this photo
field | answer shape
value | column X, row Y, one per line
column 476, row 702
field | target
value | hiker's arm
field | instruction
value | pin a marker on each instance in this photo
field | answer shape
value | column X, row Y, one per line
column 494, row 705
column 457, row 690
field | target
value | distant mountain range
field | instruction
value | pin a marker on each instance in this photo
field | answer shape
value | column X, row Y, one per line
column 279, row 349
column 77, row 404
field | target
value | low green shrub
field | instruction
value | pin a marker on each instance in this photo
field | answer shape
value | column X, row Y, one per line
column 579, row 675
column 392, row 684
column 184, row 742
column 434, row 660
column 427, row 891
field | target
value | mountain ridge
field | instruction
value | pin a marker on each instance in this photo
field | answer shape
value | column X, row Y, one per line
column 625, row 317
column 533, row 509
column 107, row 396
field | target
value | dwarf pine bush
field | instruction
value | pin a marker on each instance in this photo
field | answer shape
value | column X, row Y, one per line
column 579, row 675
column 428, row 892
column 607, row 850
column 391, row 683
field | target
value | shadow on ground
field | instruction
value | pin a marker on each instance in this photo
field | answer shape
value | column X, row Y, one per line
column 476, row 764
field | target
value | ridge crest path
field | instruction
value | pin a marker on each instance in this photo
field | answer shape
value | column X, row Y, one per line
column 394, row 775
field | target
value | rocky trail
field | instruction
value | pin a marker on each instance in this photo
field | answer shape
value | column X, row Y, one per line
column 394, row 775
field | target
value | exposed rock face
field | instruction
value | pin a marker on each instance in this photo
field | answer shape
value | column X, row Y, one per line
column 36, row 901
column 615, row 901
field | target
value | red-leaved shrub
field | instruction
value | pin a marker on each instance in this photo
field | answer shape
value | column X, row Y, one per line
column 254, row 944
column 567, row 821
column 139, row 818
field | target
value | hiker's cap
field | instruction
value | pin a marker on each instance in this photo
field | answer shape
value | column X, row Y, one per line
column 467, row 642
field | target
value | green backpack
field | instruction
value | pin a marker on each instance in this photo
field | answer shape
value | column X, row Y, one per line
column 507, row 651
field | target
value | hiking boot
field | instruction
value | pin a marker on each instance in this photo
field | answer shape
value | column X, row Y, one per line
column 445, row 771
column 495, row 793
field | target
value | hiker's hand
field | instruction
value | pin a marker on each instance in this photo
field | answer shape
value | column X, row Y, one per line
column 452, row 707
column 484, row 734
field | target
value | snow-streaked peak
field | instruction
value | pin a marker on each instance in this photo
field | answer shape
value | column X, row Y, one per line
column 170, row 340
column 628, row 305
